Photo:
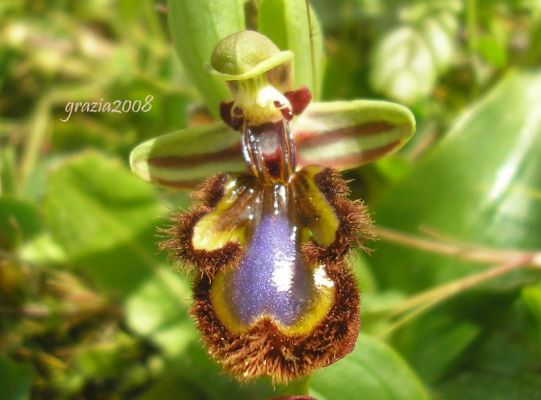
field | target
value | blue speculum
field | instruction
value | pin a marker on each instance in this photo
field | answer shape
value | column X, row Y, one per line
column 271, row 278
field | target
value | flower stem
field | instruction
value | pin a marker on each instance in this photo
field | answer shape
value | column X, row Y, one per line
column 467, row 252
column 505, row 260
column 422, row 302
column 297, row 387
column 33, row 146
column 471, row 26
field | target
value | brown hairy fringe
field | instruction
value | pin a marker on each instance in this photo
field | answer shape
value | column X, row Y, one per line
column 265, row 351
column 180, row 232
column 355, row 225
column 210, row 191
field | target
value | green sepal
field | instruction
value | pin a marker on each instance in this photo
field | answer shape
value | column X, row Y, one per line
column 184, row 158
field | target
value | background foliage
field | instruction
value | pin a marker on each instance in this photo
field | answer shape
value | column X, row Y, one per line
column 90, row 309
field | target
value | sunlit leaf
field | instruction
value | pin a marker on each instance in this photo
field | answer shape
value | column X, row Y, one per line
column 158, row 310
column 481, row 184
column 373, row 371
column 292, row 25
column 408, row 59
column 344, row 134
column 104, row 218
column 196, row 27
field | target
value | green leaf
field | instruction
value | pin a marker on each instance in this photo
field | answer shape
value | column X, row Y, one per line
column 346, row 134
column 372, row 371
column 407, row 60
column 493, row 386
column 531, row 296
column 480, row 185
column 504, row 366
column 104, row 218
column 292, row 25
column 184, row 158
column 171, row 387
column 15, row 380
column 8, row 162
column 196, row 27
column 158, row 310
column 107, row 357
column 439, row 334
column 19, row 221
column 194, row 369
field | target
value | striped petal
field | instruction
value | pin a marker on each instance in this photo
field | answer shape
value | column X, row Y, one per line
column 184, row 158
column 346, row 134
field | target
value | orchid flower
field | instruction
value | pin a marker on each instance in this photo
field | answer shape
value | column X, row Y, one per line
column 268, row 239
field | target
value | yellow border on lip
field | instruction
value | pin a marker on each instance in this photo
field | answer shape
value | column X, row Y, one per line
column 264, row 66
column 303, row 326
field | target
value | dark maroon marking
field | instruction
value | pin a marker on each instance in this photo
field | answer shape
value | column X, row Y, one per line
column 356, row 158
column 286, row 112
column 187, row 184
column 227, row 154
column 273, row 162
column 231, row 116
column 225, row 111
column 312, row 139
column 299, row 99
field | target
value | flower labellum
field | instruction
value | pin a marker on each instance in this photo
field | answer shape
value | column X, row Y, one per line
column 268, row 239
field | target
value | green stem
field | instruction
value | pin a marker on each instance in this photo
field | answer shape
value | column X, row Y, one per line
column 153, row 20
column 422, row 302
column 471, row 23
column 298, row 387
column 315, row 87
column 38, row 133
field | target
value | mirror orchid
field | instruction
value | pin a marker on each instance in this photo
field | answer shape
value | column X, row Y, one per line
column 268, row 239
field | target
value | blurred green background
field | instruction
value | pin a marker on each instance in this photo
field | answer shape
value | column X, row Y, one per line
column 89, row 308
